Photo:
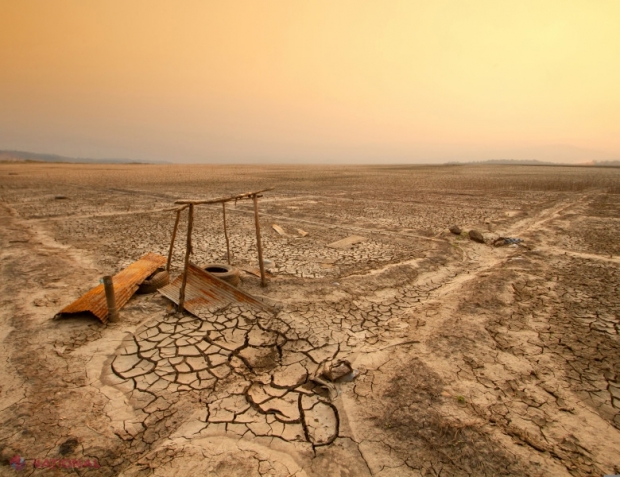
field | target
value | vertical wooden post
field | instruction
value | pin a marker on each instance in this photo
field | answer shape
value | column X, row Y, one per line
column 174, row 236
column 108, row 285
column 226, row 233
column 188, row 251
column 263, row 283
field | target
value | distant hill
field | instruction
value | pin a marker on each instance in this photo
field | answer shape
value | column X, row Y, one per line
column 534, row 162
column 23, row 156
column 514, row 162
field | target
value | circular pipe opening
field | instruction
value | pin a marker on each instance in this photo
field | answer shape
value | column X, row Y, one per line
column 216, row 270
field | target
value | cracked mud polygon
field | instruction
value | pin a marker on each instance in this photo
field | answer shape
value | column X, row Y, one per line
column 469, row 359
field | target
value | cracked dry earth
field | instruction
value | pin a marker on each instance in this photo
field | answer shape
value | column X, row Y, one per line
column 471, row 360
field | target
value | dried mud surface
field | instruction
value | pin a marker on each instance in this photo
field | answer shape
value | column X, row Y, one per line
column 471, row 360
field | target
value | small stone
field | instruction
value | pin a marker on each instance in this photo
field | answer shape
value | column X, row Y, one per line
column 476, row 236
column 455, row 229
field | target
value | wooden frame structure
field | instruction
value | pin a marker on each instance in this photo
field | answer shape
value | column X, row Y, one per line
column 190, row 204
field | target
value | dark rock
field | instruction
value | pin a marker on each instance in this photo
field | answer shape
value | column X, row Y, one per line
column 455, row 229
column 476, row 236
column 68, row 446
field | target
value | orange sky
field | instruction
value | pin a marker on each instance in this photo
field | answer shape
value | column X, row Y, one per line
column 328, row 81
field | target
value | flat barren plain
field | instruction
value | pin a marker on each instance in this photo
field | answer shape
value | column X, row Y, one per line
column 469, row 359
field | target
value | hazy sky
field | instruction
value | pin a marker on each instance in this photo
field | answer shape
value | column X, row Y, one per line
column 297, row 80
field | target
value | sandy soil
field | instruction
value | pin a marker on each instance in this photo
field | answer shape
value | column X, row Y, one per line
column 471, row 359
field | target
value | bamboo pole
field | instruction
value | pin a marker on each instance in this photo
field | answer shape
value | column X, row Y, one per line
column 263, row 283
column 226, row 233
column 174, row 236
column 188, row 251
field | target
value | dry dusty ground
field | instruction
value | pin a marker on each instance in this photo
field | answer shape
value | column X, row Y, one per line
column 472, row 360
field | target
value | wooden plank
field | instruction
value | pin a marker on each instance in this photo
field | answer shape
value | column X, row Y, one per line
column 347, row 242
column 279, row 230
